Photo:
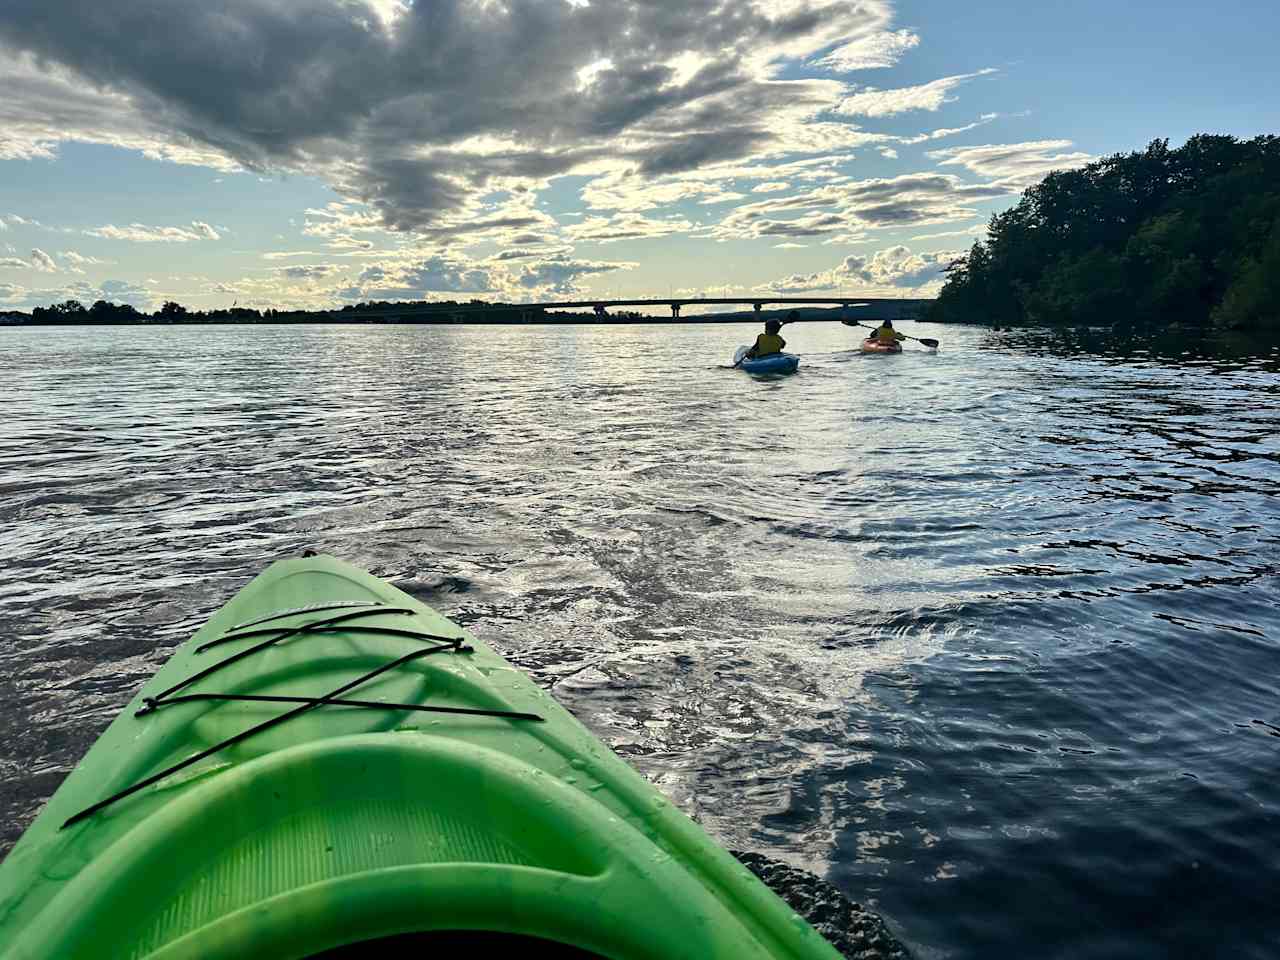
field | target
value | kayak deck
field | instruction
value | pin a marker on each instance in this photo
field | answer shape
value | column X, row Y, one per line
column 330, row 762
column 871, row 345
column 770, row 363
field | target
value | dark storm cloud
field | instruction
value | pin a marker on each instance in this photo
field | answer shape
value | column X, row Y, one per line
column 905, row 213
column 700, row 149
column 382, row 107
column 814, row 226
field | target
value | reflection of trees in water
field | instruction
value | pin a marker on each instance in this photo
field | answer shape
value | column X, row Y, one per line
column 1223, row 352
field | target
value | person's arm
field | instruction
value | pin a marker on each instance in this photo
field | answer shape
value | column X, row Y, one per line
column 783, row 344
column 752, row 352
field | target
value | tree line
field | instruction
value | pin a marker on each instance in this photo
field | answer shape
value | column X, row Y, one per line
column 448, row 311
column 1160, row 237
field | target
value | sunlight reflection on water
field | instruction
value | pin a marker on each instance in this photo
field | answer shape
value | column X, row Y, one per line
column 984, row 634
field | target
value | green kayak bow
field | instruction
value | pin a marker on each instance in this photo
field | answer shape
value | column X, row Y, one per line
column 330, row 768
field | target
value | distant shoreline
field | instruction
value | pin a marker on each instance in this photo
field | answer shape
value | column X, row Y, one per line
column 503, row 318
column 312, row 321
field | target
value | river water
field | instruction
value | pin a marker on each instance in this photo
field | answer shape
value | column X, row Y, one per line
column 989, row 637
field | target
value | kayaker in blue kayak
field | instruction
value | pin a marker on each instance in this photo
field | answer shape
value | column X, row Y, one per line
column 885, row 333
column 768, row 342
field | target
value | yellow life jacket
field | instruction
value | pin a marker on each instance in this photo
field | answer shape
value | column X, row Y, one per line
column 887, row 335
column 768, row 343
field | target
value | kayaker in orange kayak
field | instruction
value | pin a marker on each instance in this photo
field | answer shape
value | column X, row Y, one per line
column 885, row 333
column 768, row 342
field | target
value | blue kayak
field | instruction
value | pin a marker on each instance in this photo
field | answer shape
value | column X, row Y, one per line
column 773, row 363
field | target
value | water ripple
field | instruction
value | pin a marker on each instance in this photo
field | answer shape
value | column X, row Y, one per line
column 988, row 635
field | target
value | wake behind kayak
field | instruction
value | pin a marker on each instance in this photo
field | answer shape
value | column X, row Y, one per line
column 330, row 764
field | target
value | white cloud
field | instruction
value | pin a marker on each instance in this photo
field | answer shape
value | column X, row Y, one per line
column 801, row 283
column 42, row 261
column 874, row 51
column 587, row 75
column 624, row 192
column 339, row 218
column 624, row 227
column 414, row 278
column 79, row 259
column 113, row 291
column 562, row 276
column 309, row 272
column 974, row 231
column 122, row 291
column 871, row 102
column 845, row 208
column 771, row 186
column 1014, row 165
column 893, row 271
column 342, row 241
column 897, row 267
column 14, row 263
column 47, row 103
column 204, row 230
column 950, row 131
column 534, row 253
column 141, row 233
column 286, row 254
column 76, row 262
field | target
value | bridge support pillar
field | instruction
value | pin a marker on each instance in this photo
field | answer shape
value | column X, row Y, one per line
column 600, row 311
column 675, row 311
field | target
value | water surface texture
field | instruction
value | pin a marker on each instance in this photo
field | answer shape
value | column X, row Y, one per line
column 988, row 637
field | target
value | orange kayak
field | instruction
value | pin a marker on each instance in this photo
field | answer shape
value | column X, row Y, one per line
column 873, row 345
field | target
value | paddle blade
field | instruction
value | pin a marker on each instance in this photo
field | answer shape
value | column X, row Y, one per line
column 929, row 342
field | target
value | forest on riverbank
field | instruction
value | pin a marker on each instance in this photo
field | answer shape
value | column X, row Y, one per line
column 102, row 313
column 1158, row 238
column 447, row 311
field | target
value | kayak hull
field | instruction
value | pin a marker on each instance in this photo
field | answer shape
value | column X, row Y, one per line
column 773, row 363
column 338, row 823
column 875, row 346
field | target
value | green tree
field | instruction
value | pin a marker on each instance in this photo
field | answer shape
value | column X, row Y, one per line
column 1252, row 301
column 1159, row 236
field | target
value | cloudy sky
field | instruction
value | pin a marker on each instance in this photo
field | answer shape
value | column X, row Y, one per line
column 322, row 152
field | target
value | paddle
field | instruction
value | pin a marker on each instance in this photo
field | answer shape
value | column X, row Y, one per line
column 929, row 342
column 737, row 363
